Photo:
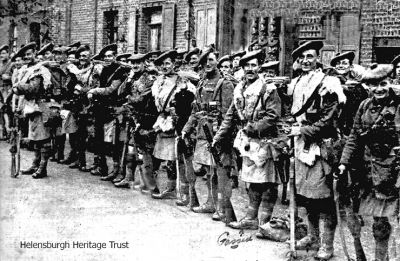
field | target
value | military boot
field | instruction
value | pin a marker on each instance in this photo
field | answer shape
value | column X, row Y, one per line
column 193, row 200
column 113, row 174
column 95, row 163
column 41, row 172
column 70, row 159
column 212, row 197
column 185, row 198
column 250, row 221
column 35, row 164
column 229, row 212
column 325, row 251
column 168, row 193
column 129, row 176
column 381, row 229
column 120, row 176
column 311, row 241
column 101, row 169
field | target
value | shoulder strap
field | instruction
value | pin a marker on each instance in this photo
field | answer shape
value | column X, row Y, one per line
column 169, row 96
column 217, row 88
column 310, row 100
column 259, row 98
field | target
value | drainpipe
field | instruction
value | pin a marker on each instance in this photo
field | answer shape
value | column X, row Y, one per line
column 96, row 3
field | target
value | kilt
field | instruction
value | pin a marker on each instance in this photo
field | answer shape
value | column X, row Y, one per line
column 164, row 148
column 372, row 206
column 69, row 124
column 201, row 153
column 313, row 181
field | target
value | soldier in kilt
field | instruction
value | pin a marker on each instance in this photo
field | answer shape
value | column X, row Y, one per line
column 376, row 131
column 350, row 77
column 143, row 112
column 85, row 76
column 104, row 97
column 255, row 111
column 173, row 95
column 213, row 98
column 33, row 84
column 316, row 99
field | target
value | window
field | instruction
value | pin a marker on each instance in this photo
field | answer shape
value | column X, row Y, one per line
column 206, row 24
column 155, row 31
column 110, row 28
column 34, row 29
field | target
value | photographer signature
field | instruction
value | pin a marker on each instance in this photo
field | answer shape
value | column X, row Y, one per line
column 225, row 239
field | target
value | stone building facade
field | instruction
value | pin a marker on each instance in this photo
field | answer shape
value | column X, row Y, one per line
column 371, row 28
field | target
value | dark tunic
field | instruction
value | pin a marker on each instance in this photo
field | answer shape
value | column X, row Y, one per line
column 377, row 130
column 213, row 98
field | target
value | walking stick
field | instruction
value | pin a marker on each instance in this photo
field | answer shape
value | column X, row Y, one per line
column 292, row 207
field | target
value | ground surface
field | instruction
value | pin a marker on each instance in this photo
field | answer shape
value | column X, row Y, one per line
column 72, row 206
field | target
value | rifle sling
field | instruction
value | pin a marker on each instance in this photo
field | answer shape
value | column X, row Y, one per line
column 169, row 97
column 310, row 100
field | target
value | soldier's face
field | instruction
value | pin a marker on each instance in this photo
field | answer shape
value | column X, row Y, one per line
column 109, row 57
column 343, row 66
column 59, row 57
column 235, row 62
column 29, row 56
column 84, row 58
column 18, row 62
column 122, row 60
column 4, row 55
column 194, row 59
column 40, row 58
column 251, row 69
column 211, row 64
column 270, row 73
column 167, row 66
column 71, row 58
column 48, row 56
column 308, row 60
column 137, row 67
column 226, row 68
column 398, row 71
column 380, row 90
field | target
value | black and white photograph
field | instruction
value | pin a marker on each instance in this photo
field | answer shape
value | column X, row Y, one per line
column 201, row 130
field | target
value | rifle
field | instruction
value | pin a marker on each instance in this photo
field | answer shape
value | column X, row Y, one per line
column 211, row 148
column 339, row 219
column 15, row 148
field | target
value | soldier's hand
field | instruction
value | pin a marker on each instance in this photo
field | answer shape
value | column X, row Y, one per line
column 341, row 170
column 183, row 135
column 90, row 96
column 214, row 143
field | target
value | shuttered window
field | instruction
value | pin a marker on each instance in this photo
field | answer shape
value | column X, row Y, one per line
column 132, row 31
column 206, row 24
column 168, row 25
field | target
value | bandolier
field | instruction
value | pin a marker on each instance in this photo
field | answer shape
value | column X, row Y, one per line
column 213, row 98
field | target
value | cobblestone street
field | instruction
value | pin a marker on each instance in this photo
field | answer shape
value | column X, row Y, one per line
column 72, row 206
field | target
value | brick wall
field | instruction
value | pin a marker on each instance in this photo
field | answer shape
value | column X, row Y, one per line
column 378, row 20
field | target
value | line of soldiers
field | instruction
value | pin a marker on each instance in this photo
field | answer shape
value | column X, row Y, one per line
column 196, row 114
